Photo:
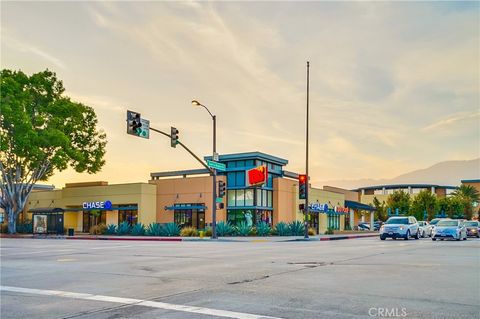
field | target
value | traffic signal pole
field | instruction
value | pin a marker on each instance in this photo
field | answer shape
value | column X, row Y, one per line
column 307, row 206
column 186, row 148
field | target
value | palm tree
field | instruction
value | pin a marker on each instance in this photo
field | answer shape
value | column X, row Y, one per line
column 468, row 192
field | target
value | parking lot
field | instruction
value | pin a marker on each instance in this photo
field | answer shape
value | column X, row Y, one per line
column 358, row 278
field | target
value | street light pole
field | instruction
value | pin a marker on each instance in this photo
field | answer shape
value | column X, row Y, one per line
column 307, row 206
column 214, row 171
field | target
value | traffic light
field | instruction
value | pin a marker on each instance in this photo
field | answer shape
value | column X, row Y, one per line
column 134, row 123
column 221, row 205
column 173, row 137
column 302, row 186
column 221, row 188
column 301, row 207
column 137, row 126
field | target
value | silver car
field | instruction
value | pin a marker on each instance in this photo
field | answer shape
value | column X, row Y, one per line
column 400, row 227
column 449, row 229
column 425, row 229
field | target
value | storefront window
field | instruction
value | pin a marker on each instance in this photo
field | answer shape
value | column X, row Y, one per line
column 231, row 198
column 240, row 197
column 249, row 197
column 189, row 217
column 130, row 216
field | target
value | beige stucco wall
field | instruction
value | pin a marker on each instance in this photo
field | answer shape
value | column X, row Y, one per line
column 349, row 195
column 142, row 194
column 285, row 207
column 172, row 191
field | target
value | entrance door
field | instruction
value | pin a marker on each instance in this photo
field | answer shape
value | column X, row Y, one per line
column 200, row 220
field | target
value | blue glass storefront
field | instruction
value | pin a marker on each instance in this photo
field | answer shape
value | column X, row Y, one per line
column 250, row 204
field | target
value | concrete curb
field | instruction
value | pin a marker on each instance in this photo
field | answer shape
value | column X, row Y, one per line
column 191, row 239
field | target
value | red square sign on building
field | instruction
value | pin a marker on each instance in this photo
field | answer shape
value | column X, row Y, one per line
column 257, row 176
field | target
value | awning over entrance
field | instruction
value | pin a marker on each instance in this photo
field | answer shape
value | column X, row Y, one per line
column 186, row 207
column 356, row 205
column 47, row 210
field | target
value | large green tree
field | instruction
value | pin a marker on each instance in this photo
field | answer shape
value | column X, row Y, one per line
column 400, row 201
column 42, row 131
column 452, row 207
column 424, row 202
column 470, row 198
column 380, row 209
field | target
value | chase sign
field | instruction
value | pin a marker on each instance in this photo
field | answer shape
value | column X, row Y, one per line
column 106, row 205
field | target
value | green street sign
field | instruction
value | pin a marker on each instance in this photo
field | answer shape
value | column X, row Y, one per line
column 219, row 200
column 216, row 165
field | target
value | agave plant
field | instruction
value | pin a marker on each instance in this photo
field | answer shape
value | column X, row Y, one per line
column 154, row 229
column 263, row 229
column 138, row 230
column 123, row 228
column 282, row 229
column 297, row 228
column 111, row 229
column 224, row 229
column 243, row 229
column 171, row 229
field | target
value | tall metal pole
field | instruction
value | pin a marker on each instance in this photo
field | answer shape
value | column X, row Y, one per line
column 214, row 190
column 307, row 208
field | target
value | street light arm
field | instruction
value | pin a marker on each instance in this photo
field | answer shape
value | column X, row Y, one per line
column 206, row 108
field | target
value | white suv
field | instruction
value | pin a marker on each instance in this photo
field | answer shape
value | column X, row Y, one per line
column 400, row 227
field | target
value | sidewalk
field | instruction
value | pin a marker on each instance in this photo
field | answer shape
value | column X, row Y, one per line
column 177, row 239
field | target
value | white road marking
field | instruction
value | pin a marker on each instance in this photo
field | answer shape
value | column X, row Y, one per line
column 137, row 302
column 110, row 247
column 37, row 252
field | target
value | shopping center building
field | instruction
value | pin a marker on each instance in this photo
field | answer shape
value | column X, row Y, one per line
column 185, row 197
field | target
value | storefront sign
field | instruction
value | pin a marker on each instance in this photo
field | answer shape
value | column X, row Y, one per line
column 319, row 207
column 341, row 209
column 106, row 205
column 257, row 176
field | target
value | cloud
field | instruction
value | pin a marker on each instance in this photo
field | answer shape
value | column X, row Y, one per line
column 29, row 48
column 452, row 120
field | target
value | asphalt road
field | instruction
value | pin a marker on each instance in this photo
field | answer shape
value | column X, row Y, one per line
column 359, row 278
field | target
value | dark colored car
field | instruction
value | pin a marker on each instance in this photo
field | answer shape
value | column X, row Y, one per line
column 473, row 228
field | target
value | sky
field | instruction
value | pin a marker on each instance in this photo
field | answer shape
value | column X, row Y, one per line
column 394, row 86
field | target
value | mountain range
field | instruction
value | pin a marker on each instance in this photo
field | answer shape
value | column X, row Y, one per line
column 444, row 173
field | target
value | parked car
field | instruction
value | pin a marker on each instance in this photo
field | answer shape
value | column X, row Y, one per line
column 449, row 228
column 425, row 229
column 377, row 225
column 363, row 226
column 473, row 228
column 400, row 227
column 435, row 221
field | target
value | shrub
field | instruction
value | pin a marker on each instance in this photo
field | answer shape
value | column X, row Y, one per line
column 111, row 229
column 124, row 228
column 99, row 229
column 253, row 232
column 297, row 228
column 171, row 229
column 282, row 229
column 4, row 228
column 224, row 229
column 138, row 230
column 24, row 228
column 311, row 231
column 329, row 231
column 208, row 232
column 243, row 229
column 189, row 232
column 263, row 229
column 154, row 229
